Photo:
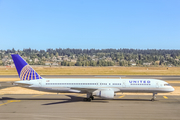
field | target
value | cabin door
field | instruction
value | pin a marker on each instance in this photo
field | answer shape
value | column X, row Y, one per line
column 124, row 84
column 157, row 85
column 40, row 83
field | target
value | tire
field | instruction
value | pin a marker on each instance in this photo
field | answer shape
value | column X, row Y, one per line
column 89, row 99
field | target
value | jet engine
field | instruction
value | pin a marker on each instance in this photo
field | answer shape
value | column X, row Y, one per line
column 105, row 93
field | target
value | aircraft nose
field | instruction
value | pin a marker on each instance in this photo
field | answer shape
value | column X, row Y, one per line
column 172, row 89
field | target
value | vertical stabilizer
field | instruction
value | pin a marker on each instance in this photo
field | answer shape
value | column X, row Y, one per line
column 25, row 71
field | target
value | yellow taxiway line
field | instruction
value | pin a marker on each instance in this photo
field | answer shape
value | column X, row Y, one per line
column 165, row 97
column 10, row 101
column 121, row 96
column 37, row 95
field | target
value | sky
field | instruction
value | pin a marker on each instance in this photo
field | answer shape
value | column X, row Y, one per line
column 86, row 24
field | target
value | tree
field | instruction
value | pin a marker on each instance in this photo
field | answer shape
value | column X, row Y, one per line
column 52, row 55
column 1, row 63
column 87, row 63
column 92, row 63
column 78, row 63
column 57, row 54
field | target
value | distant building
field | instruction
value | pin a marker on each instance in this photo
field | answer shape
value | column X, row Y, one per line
column 108, row 59
column 10, row 60
column 55, row 64
column 157, row 62
column 65, row 59
column 72, row 60
column 54, row 58
column 132, row 60
column 5, row 59
column 36, row 60
column 47, row 63
column 133, row 64
column 59, row 58
column 25, row 58
column 104, row 57
column 165, row 61
column 146, row 63
column 12, row 65
column 44, row 58
column 177, row 59
column 95, row 59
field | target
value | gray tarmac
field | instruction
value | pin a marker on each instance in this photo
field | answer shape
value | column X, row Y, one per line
column 71, row 107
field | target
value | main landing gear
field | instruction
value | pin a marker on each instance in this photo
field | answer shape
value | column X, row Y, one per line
column 153, row 97
column 89, row 97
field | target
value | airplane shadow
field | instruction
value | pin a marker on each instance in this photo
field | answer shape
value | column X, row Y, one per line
column 72, row 99
column 97, row 100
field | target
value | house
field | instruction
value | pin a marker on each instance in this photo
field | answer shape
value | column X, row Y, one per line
column 4, row 59
column 25, row 58
column 55, row 64
column 47, row 63
column 103, row 57
column 95, row 59
column 10, row 60
column 54, row 58
column 133, row 64
column 132, row 60
column 66, row 59
column 108, row 59
column 146, row 63
column 177, row 59
column 12, row 65
column 36, row 60
column 157, row 62
column 43, row 58
column 59, row 57
column 73, row 60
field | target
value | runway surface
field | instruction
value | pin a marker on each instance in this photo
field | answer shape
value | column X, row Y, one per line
column 71, row 107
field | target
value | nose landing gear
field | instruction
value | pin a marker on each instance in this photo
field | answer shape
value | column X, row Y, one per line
column 153, row 97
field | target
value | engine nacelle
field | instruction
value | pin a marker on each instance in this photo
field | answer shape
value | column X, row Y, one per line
column 105, row 94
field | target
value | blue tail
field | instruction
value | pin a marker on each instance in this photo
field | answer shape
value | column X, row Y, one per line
column 25, row 71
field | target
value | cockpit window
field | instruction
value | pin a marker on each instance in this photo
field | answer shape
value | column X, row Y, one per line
column 166, row 84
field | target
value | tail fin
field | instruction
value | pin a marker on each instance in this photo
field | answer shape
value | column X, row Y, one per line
column 25, row 71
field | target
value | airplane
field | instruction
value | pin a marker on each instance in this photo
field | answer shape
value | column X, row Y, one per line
column 104, row 88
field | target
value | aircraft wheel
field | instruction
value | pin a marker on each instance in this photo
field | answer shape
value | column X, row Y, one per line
column 85, row 99
column 92, row 97
column 89, row 100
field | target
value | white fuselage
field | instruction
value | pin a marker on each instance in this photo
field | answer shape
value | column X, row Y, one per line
column 94, row 85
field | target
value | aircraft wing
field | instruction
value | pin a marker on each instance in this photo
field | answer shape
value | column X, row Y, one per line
column 85, row 90
column 90, row 90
